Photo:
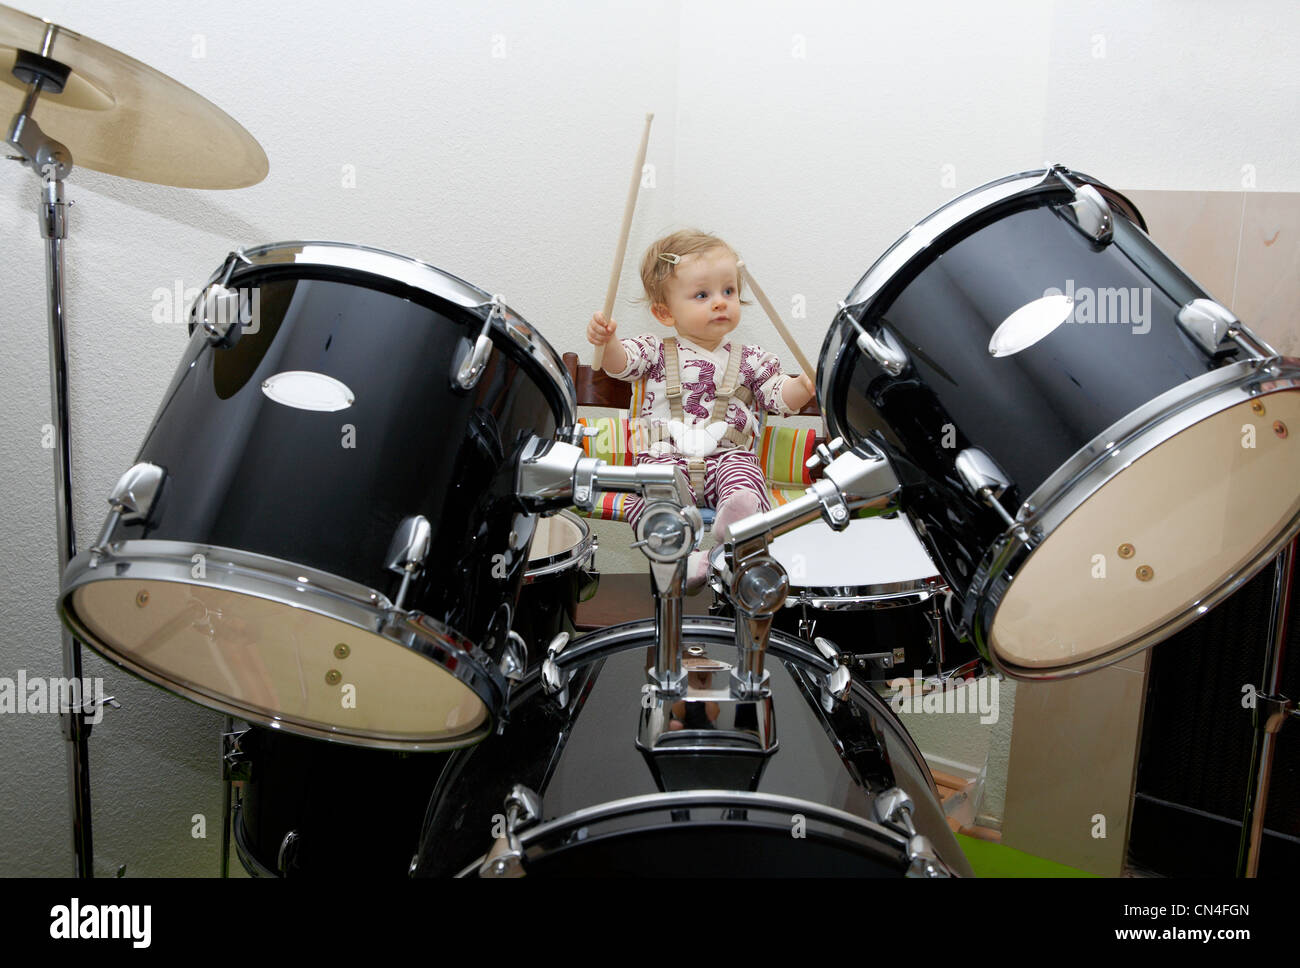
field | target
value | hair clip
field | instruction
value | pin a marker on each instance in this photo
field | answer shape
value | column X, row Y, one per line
column 670, row 257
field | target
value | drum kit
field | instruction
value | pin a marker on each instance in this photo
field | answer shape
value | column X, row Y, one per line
column 349, row 525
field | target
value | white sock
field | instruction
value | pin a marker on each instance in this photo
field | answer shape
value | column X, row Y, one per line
column 697, row 569
column 739, row 504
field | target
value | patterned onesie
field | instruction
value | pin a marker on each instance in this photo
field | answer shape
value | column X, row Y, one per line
column 728, row 467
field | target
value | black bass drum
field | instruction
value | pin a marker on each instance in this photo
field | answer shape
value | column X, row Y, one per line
column 800, row 786
column 1094, row 451
column 321, row 531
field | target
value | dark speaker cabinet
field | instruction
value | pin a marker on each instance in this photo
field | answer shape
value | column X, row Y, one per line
column 1194, row 761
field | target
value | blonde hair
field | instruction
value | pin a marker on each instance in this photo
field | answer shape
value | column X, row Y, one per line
column 660, row 262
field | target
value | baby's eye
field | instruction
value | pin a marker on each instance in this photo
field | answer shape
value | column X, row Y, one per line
column 700, row 293
column 730, row 290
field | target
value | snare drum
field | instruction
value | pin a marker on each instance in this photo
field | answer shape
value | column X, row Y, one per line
column 561, row 573
column 321, row 531
column 800, row 791
column 870, row 589
column 1093, row 450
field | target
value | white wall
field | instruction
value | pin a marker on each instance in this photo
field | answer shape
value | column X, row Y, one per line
column 510, row 171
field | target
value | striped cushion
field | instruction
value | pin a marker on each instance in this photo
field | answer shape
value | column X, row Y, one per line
column 781, row 455
column 612, row 441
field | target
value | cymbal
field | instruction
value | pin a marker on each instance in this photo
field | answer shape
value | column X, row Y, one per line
column 122, row 117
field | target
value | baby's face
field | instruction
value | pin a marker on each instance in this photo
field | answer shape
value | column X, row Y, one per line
column 703, row 297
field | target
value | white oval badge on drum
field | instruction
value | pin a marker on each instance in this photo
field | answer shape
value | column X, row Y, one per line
column 1030, row 323
column 308, row 391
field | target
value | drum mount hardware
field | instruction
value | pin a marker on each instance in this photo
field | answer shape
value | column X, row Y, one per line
column 681, row 686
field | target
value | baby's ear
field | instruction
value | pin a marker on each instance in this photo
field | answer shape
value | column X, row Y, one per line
column 662, row 313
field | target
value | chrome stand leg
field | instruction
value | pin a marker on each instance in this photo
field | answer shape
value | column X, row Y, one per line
column 54, row 228
column 1270, row 712
column 227, row 786
column 27, row 143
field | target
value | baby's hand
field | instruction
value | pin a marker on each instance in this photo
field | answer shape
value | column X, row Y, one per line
column 600, row 330
column 797, row 391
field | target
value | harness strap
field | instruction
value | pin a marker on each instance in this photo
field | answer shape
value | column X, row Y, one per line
column 728, row 389
column 673, row 377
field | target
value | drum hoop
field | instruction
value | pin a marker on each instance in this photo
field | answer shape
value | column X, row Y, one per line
column 572, row 557
column 1136, row 435
column 276, row 580
column 428, row 278
column 688, row 799
column 605, row 642
column 869, row 597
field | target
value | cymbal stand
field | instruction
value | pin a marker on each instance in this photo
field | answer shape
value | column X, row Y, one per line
column 1271, row 710
column 53, row 162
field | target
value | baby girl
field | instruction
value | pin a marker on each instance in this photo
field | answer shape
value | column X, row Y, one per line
column 698, row 394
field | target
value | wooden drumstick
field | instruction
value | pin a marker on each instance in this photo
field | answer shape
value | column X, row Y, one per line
column 766, row 303
column 598, row 358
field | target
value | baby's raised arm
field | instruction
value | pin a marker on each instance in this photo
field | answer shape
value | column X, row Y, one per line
column 600, row 332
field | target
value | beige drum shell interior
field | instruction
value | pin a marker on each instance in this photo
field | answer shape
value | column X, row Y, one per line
column 213, row 642
column 554, row 536
column 1196, row 510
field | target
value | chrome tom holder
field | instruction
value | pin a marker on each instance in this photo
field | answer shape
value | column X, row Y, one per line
column 702, row 718
column 756, row 583
column 555, row 473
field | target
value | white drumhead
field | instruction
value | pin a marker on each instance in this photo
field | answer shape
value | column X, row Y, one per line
column 273, row 661
column 555, row 535
column 1197, row 510
column 870, row 552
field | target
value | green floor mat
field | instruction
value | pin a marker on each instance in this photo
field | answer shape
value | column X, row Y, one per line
column 994, row 860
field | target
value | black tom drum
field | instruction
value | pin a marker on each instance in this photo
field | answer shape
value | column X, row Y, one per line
column 321, row 531
column 1093, row 449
